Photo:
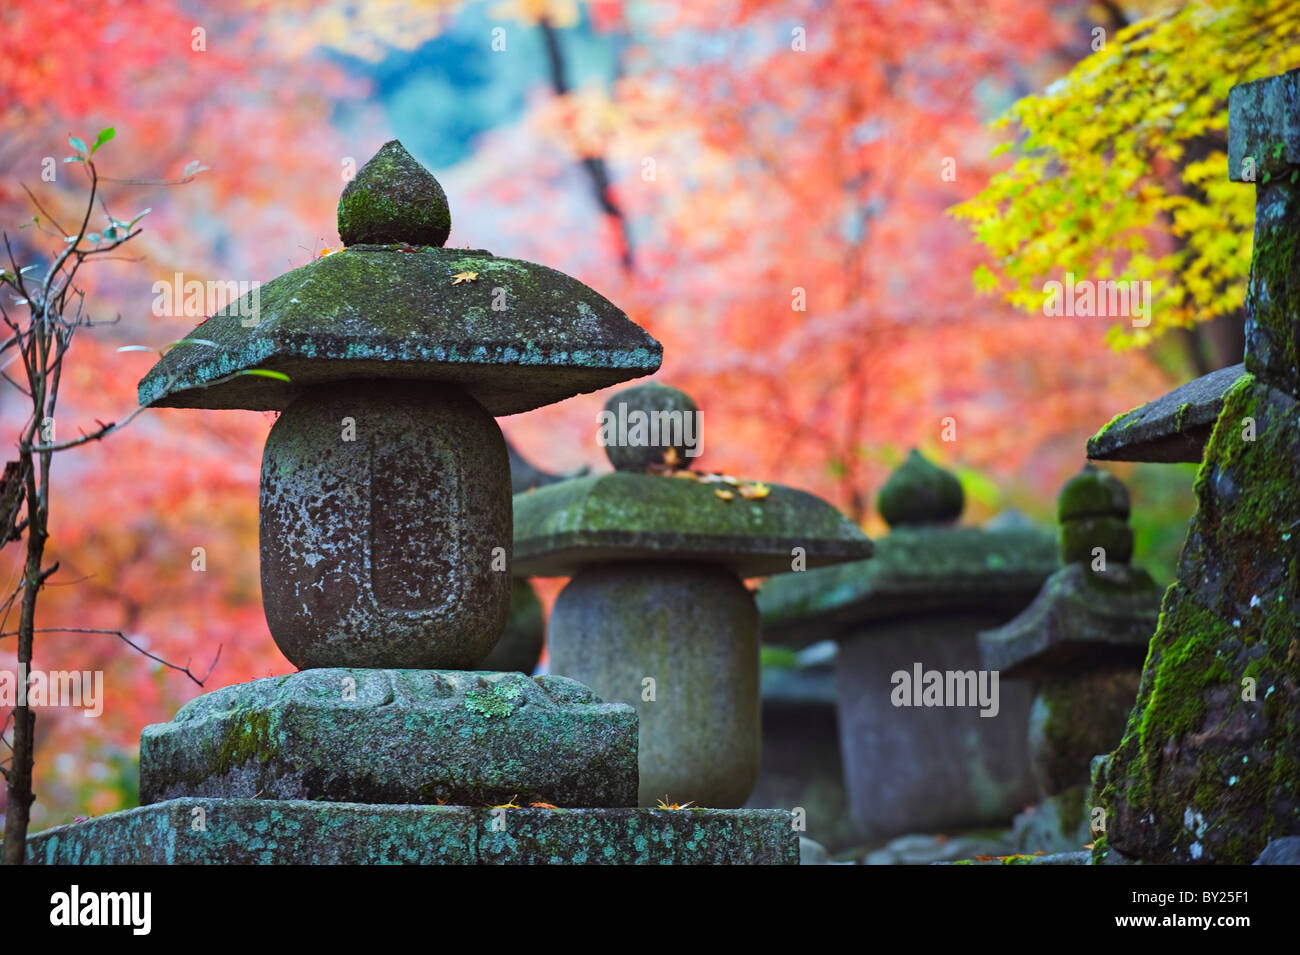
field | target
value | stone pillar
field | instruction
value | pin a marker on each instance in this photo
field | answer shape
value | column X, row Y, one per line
column 1209, row 767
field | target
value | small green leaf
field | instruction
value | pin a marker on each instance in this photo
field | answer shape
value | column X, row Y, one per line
column 78, row 144
column 134, row 348
column 196, row 341
column 278, row 375
column 104, row 136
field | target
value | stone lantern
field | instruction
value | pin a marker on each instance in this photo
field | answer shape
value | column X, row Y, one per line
column 903, row 620
column 1208, row 769
column 385, row 546
column 385, row 470
column 1083, row 639
column 656, row 613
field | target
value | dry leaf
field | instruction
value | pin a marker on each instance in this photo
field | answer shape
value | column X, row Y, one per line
column 464, row 277
column 725, row 495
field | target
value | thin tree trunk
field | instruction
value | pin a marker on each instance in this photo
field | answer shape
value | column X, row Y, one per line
column 595, row 166
column 20, row 796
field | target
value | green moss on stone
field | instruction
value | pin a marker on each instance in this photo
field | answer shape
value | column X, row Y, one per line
column 501, row 700
column 1272, row 327
column 1203, row 774
column 1116, row 423
column 249, row 736
column 1092, row 493
column 393, row 199
column 919, row 492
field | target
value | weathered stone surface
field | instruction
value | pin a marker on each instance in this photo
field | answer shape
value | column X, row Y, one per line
column 377, row 312
column 918, row 492
column 391, row 199
column 272, row 832
column 626, row 516
column 916, row 569
column 1207, row 771
column 692, row 630
column 1264, row 124
column 641, row 837
column 397, row 736
column 936, row 768
column 1059, row 823
column 1284, row 851
column 1076, row 715
column 263, row 832
column 1273, row 295
column 801, row 764
column 1080, row 618
column 1172, row 428
column 670, row 408
column 1092, row 493
column 1081, row 538
column 930, row 849
column 520, row 646
column 379, row 551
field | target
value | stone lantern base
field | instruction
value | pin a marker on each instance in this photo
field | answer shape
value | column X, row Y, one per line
column 195, row 831
column 928, row 768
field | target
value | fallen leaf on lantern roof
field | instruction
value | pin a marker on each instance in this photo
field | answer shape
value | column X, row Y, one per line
column 725, row 495
column 541, row 805
column 755, row 492
column 464, row 277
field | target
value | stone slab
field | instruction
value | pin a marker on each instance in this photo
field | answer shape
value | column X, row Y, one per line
column 633, row 516
column 300, row 832
column 1170, row 429
column 404, row 736
column 262, row 832
column 385, row 312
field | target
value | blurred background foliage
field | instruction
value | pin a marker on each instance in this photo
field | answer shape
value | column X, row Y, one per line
column 701, row 164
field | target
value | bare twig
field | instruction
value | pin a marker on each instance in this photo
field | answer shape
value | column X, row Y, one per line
column 134, row 646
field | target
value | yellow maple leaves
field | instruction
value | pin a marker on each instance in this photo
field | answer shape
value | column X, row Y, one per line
column 464, row 277
column 1103, row 167
column 749, row 490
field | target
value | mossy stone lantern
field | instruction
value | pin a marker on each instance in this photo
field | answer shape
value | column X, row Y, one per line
column 656, row 613
column 385, row 489
column 913, row 764
column 1208, row 769
column 1083, row 640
